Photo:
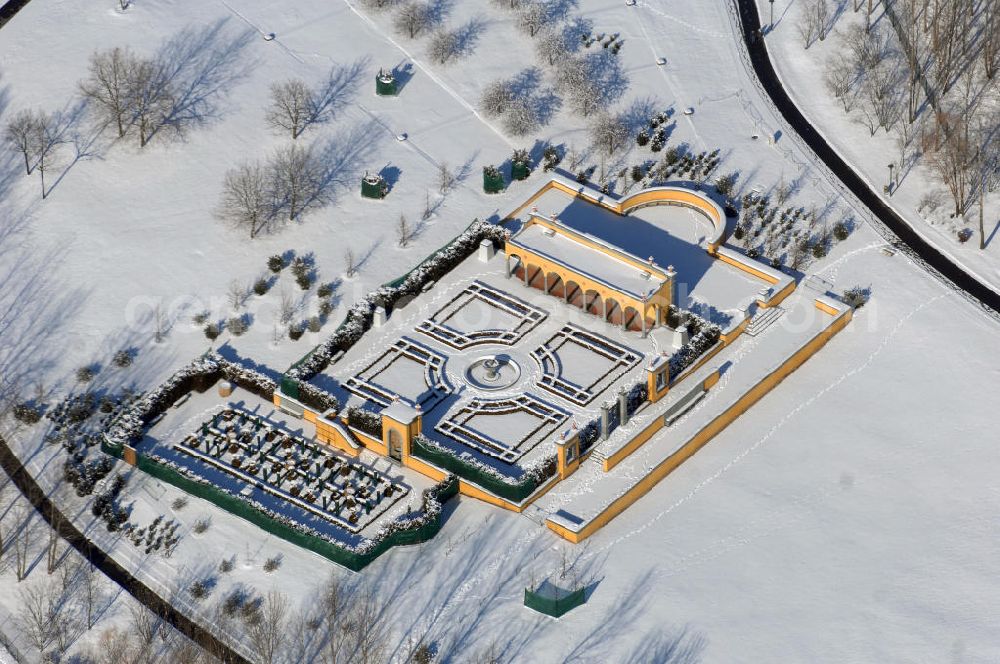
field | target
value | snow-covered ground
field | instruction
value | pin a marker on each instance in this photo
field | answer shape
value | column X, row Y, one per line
column 846, row 518
column 802, row 73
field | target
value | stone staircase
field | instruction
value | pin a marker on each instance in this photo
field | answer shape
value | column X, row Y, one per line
column 763, row 319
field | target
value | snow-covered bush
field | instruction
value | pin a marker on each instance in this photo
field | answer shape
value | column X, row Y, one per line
column 26, row 413
column 365, row 420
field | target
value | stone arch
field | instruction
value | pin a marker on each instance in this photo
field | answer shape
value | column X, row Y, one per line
column 593, row 303
column 554, row 284
column 573, row 294
column 632, row 319
column 536, row 276
column 516, row 266
column 613, row 311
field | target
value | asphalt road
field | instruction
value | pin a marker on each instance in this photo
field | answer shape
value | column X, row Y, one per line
column 10, row 8
column 930, row 255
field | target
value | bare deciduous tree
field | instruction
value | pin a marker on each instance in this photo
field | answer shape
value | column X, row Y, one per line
column 521, row 117
column 839, row 78
column 404, row 232
column 91, row 586
column 951, row 153
column 246, row 201
column 609, row 133
column 446, row 179
column 46, row 141
column 151, row 97
column 412, row 18
column 550, row 47
column 114, row 647
column 22, row 539
column 109, row 86
column 19, row 134
column 286, row 307
column 350, row 262
column 444, row 46
column 265, row 628
column 294, row 175
column 291, row 106
column 532, row 17
column 379, row 5
column 39, row 612
column 496, row 99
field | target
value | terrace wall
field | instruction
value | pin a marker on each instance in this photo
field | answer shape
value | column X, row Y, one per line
column 842, row 316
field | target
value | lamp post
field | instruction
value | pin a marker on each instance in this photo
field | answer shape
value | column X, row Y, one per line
column 891, row 165
column 770, row 25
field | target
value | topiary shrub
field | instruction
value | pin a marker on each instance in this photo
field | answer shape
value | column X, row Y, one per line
column 303, row 281
column 295, row 331
column 26, row 413
column 841, row 232
column 122, row 359
column 212, row 331
column 261, row 286
column 276, row 263
column 237, row 325
column 315, row 324
column 85, row 374
column 819, row 250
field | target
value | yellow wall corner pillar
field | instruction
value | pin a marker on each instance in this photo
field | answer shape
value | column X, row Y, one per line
column 658, row 378
column 568, row 453
column 401, row 423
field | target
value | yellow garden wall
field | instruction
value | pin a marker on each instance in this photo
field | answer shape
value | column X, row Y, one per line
column 709, row 431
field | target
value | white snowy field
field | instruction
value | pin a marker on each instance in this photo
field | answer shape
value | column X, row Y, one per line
column 802, row 70
column 846, row 518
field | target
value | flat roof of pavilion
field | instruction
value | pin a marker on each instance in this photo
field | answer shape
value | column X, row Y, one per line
column 576, row 256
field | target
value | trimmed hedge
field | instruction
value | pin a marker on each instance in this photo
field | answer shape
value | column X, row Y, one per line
column 483, row 477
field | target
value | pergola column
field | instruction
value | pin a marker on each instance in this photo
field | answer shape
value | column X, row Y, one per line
column 526, row 279
column 604, row 306
column 507, row 266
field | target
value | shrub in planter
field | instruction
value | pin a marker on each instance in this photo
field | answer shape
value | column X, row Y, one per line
column 550, row 158
column 581, row 176
column 856, row 297
column 212, row 331
column 261, row 286
column 295, row 331
column 237, row 325
column 520, row 164
column 26, row 413
column 276, row 263
column 122, row 359
column 492, row 180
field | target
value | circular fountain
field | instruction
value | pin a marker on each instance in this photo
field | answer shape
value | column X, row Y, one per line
column 492, row 372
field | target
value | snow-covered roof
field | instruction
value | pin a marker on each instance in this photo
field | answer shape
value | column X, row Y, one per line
column 610, row 266
column 401, row 411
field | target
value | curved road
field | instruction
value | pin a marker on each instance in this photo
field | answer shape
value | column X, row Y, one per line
column 10, row 8
column 146, row 596
column 948, row 269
